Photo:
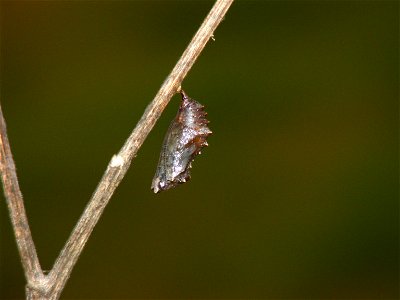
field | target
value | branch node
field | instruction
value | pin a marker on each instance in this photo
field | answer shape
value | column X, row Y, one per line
column 117, row 161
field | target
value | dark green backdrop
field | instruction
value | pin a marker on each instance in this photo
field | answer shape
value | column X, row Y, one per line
column 297, row 195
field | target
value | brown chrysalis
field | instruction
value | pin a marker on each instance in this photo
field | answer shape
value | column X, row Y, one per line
column 184, row 139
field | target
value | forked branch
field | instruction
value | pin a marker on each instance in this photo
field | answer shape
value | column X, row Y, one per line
column 50, row 286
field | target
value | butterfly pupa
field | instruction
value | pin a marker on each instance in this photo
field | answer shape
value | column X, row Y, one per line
column 185, row 138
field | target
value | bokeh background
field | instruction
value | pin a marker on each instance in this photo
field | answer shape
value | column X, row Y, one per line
column 297, row 195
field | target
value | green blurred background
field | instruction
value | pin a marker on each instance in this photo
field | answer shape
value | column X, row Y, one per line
column 297, row 195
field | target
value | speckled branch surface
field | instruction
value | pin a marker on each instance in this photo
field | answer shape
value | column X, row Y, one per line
column 50, row 286
column 15, row 203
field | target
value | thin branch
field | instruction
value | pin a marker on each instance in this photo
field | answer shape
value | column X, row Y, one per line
column 50, row 287
column 121, row 162
column 15, row 203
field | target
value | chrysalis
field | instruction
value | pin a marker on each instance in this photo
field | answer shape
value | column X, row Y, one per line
column 185, row 137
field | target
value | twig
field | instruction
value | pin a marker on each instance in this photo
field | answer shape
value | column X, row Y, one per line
column 15, row 203
column 51, row 286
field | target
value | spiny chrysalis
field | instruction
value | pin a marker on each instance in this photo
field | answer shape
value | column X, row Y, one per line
column 185, row 138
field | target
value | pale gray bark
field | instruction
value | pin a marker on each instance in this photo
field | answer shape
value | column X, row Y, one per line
column 40, row 286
